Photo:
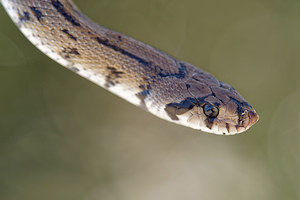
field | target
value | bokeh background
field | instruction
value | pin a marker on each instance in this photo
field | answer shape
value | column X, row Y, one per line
column 62, row 137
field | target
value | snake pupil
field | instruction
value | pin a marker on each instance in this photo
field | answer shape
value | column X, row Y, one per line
column 210, row 110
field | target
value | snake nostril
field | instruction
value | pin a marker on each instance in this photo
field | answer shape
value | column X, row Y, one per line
column 243, row 116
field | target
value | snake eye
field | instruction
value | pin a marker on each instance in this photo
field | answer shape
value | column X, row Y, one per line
column 210, row 110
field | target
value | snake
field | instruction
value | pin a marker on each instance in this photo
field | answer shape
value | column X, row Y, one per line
column 170, row 89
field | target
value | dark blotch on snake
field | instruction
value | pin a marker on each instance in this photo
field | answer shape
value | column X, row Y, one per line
column 38, row 14
column 112, row 77
column 174, row 109
column 145, row 87
column 209, row 122
column 145, row 93
column 61, row 9
column 182, row 71
column 227, row 127
column 142, row 96
column 69, row 34
column 24, row 17
column 115, row 72
column 105, row 42
column 120, row 38
column 67, row 52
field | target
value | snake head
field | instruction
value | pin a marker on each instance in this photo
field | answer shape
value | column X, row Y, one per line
column 228, row 118
column 216, row 108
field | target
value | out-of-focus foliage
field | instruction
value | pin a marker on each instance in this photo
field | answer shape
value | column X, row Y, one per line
column 62, row 137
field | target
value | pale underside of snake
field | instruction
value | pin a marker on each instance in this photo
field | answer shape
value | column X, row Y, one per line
column 170, row 89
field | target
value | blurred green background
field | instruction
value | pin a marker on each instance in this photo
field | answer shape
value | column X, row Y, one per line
column 62, row 137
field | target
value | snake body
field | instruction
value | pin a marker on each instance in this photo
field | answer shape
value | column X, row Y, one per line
column 170, row 89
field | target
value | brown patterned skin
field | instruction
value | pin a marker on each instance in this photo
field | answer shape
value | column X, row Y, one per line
column 170, row 89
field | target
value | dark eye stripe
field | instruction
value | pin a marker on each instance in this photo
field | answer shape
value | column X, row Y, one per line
column 227, row 127
column 209, row 122
column 174, row 109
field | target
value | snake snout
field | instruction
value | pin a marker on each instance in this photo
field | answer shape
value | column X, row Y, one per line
column 246, row 119
column 253, row 118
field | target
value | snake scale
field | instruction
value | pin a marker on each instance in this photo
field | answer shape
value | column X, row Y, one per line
column 168, row 88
